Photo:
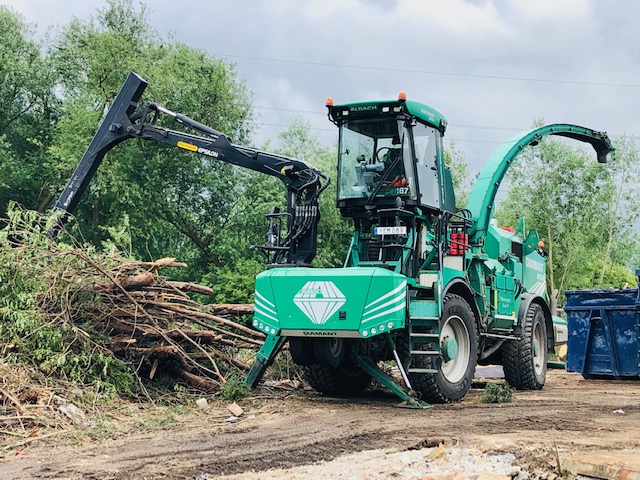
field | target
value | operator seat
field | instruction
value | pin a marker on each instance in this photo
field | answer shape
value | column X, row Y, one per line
column 395, row 177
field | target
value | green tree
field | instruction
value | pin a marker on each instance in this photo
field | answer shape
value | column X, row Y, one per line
column 247, row 225
column 28, row 110
column 621, row 205
column 335, row 232
column 175, row 203
column 459, row 168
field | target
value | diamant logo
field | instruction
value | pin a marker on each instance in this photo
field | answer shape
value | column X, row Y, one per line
column 319, row 300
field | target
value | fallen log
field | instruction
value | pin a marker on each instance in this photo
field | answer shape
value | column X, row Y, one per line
column 191, row 287
column 201, row 383
column 229, row 308
column 229, row 333
column 187, row 312
column 138, row 281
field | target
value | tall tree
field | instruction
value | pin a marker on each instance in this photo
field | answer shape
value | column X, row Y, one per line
column 171, row 201
column 455, row 159
column 28, row 109
column 247, row 226
column 335, row 232
column 621, row 203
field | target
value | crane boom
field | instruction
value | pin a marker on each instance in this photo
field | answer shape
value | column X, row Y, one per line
column 125, row 121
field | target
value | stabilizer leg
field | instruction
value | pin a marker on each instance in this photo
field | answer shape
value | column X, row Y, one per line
column 366, row 364
column 271, row 347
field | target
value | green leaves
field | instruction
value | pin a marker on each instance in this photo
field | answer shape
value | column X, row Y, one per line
column 459, row 168
column 500, row 392
column 38, row 301
column 28, row 108
column 174, row 202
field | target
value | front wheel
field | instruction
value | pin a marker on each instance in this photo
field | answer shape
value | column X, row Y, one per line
column 525, row 360
column 345, row 379
column 456, row 363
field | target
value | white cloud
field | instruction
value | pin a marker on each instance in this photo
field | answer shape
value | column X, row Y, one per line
column 436, row 50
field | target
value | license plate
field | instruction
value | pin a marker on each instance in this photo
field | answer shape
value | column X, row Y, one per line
column 390, row 230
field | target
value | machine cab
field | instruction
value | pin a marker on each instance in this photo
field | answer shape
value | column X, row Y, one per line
column 386, row 151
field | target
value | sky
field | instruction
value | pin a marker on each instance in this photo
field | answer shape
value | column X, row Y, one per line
column 491, row 67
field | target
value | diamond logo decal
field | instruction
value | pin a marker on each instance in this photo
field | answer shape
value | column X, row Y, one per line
column 319, row 300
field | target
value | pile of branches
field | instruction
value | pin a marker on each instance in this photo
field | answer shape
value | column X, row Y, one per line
column 81, row 325
column 154, row 323
column 76, row 315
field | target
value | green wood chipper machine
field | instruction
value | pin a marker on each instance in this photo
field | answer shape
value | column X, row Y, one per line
column 433, row 288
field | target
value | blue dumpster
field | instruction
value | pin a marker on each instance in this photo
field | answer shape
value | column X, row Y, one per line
column 603, row 327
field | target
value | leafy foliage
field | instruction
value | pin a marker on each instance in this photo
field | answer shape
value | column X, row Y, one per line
column 39, row 299
column 233, row 390
column 500, row 392
column 174, row 201
column 28, row 109
column 459, row 168
column 298, row 141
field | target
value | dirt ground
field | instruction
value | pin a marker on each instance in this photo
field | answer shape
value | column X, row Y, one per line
column 302, row 435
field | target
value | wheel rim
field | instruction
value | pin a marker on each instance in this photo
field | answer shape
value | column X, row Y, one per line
column 454, row 342
column 335, row 347
column 329, row 351
column 538, row 349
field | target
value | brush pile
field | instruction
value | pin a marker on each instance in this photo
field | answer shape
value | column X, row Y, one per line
column 153, row 323
column 74, row 316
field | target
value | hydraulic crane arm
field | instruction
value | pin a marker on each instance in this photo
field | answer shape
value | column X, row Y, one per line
column 124, row 121
column 482, row 198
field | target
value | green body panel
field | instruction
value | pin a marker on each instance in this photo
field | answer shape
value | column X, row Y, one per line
column 499, row 241
column 449, row 274
column 534, row 278
column 511, row 262
column 344, row 302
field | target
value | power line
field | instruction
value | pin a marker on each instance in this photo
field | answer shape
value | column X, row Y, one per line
column 486, row 127
column 428, row 72
column 336, row 132
column 310, row 112
column 332, row 130
column 458, row 125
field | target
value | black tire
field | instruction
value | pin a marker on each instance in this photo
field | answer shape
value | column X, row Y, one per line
column 454, row 377
column 343, row 380
column 301, row 350
column 329, row 351
column 525, row 361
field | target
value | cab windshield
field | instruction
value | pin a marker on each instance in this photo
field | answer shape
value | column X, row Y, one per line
column 375, row 159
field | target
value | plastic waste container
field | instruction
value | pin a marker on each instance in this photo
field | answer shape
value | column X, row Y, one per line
column 603, row 330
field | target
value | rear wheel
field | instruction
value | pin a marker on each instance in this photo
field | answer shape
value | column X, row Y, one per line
column 458, row 357
column 345, row 379
column 525, row 360
column 329, row 351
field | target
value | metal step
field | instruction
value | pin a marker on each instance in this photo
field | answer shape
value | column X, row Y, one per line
column 425, row 352
column 422, row 370
column 437, row 319
column 424, row 335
